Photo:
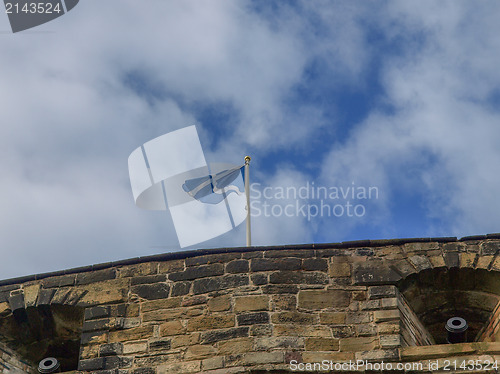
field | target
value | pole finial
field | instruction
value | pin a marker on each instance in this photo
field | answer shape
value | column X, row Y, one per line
column 247, row 159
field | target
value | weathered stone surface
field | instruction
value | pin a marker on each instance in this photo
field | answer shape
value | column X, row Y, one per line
column 237, row 266
column 379, row 292
column 196, row 272
column 212, row 259
column 146, row 268
column 214, row 321
column 490, row 248
column 339, row 269
column 302, row 331
column 294, row 317
column 320, row 299
column 108, row 292
column 151, row 291
column 280, row 289
column 219, row 283
column 251, row 303
column 136, row 333
column 235, row 346
column 155, row 305
column 451, row 259
column 385, row 315
column 322, row 344
column 97, row 312
column 220, row 303
column 294, row 277
column 252, row 318
column 215, row 336
column 95, row 276
column 160, row 345
column 112, row 349
column 148, row 279
column 312, row 264
column 172, row 328
column 373, row 273
column 171, row 266
column 420, row 262
column 259, row 279
column 358, row 344
column 267, row 264
column 180, row 288
column 200, row 351
column 91, row 364
column 332, row 318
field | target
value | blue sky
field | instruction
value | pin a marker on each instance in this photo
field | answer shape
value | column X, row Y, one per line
column 395, row 95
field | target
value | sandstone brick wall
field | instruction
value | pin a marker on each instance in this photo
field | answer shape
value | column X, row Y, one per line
column 238, row 310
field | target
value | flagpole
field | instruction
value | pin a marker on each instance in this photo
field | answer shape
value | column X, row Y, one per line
column 247, row 191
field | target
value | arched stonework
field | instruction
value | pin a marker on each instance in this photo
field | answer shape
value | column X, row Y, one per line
column 258, row 309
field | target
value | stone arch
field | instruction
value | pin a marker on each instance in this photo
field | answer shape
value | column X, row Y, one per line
column 437, row 294
column 38, row 323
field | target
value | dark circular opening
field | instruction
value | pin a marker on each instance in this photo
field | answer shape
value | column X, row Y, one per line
column 456, row 322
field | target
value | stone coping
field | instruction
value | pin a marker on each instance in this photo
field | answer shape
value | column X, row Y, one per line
column 201, row 252
column 425, row 352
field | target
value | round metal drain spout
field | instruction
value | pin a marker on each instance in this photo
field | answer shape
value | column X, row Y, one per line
column 49, row 365
column 457, row 330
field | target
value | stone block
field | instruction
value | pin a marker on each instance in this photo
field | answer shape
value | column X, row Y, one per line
column 280, row 289
column 296, row 277
column 293, row 317
column 146, row 268
column 135, row 347
column 280, row 342
column 148, row 279
column 386, row 315
column 320, row 299
column 259, row 358
column 180, row 288
column 95, row 276
column 151, row 291
column 437, row 261
column 322, row 344
column 160, row 345
column 216, row 336
column 284, row 302
column 235, row 346
column 251, row 303
column 196, row 272
column 467, row 260
column 210, row 322
column 312, row 264
column 420, row 262
column 268, row 264
column 136, row 333
column 112, row 349
column 184, row 367
column 252, row 318
column 390, row 341
column 220, row 303
column 155, row 305
column 219, row 283
column 237, row 266
column 172, row 328
column 302, row 331
column 339, row 269
column 374, row 273
column 356, row 344
column 172, row 266
column 332, row 318
column 379, row 292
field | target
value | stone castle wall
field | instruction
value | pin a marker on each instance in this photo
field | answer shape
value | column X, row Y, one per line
column 260, row 309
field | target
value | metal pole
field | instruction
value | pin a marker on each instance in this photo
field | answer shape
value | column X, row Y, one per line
column 247, row 191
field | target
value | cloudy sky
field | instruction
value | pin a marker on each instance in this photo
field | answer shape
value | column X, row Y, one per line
column 399, row 97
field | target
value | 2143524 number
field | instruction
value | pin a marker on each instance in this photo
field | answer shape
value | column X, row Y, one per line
column 33, row 8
